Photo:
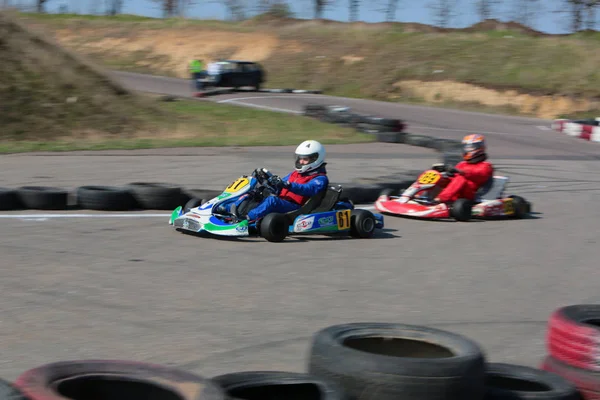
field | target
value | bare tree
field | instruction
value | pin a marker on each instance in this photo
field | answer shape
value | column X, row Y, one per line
column 590, row 8
column 114, row 7
column 353, row 9
column 525, row 11
column 319, row 7
column 236, row 9
column 40, row 6
column 171, row 8
column 485, row 8
column 443, row 11
column 390, row 12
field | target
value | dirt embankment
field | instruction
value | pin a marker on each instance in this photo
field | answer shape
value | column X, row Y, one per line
column 495, row 65
column 47, row 92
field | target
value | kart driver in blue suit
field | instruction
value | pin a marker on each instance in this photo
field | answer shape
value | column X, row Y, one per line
column 308, row 179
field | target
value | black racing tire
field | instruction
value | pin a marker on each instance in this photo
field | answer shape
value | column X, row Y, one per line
column 9, row 200
column 462, row 210
column 155, row 196
column 390, row 361
column 107, row 198
column 418, row 140
column 362, row 224
column 43, row 197
column 521, row 206
column 8, row 391
column 274, row 227
column 260, row 385
column 192, row 204
column 508, row 381
column 390, row 137
column 116, row 380
column 387, row 122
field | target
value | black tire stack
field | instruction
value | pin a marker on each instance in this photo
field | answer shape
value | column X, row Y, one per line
column 355, row 361
column 133, row 196
column 387, row 130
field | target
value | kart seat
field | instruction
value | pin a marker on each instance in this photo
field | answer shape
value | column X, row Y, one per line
column 492, row 189
column 323, row 201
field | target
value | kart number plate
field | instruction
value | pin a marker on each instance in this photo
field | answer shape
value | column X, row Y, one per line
column 429, row 178
column 343, row 219
column 237, row 185
column 509, row 207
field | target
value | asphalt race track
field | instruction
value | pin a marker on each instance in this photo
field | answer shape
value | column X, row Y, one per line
column 92, row 285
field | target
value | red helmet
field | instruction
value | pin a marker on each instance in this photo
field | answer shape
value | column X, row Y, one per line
column 474, row 148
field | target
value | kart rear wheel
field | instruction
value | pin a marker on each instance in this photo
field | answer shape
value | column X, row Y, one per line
column 521, row 206
column 362, row 224
column 461, row 210
column 274, row 227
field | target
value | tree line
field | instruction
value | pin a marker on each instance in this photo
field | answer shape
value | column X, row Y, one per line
column 579, row 14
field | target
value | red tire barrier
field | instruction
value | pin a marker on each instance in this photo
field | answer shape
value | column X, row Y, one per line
column 573, row 336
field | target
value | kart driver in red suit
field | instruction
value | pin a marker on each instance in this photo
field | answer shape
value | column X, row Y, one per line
column 471, row 173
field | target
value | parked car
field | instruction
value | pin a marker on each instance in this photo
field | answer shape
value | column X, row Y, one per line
column 233, row 73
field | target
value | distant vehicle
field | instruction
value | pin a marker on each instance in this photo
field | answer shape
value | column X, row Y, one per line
column 235, row 74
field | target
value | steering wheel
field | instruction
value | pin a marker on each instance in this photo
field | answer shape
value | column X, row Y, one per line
column 262, row 175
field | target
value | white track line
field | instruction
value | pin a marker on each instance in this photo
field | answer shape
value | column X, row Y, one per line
column 116, row 215
column 43, row 217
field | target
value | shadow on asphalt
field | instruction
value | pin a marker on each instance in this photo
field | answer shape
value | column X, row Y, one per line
column 384, row 233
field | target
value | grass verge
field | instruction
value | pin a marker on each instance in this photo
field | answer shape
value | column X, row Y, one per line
column 189, row 123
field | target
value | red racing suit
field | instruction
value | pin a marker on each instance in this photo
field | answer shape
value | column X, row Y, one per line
column 465, row 184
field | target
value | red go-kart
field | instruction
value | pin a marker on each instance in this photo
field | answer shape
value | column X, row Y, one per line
column 417, row 200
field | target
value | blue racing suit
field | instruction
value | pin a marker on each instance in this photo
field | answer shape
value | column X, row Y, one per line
column 277, row 204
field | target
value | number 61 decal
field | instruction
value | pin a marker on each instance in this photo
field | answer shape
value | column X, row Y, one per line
column 343, row 219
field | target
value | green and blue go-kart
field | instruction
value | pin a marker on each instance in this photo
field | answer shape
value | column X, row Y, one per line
column 324, row 213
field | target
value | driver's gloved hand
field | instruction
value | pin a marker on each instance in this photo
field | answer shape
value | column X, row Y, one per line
column 452, row 170
column 278, row 183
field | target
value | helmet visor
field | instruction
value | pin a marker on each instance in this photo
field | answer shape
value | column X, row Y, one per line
column 304, row 159
column 469, row 147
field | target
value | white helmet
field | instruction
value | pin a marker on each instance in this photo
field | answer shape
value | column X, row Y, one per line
column 315, row 153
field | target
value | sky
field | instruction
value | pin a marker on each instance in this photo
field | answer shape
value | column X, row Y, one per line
column 408, row 11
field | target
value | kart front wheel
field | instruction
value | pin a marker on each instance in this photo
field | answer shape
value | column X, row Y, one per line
column 192, row 204
column 461, row 210
column 274, row 227
column 362, row 224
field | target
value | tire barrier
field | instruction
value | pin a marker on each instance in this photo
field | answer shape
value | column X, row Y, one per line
column 8, row 391
column 9, row 200
column 354, row 361
column 278, row 385
column 386, row 130
column 156, row 196
column 398, row 361
column 573, row 345
column 586, row 129
column 43, row 197
column 509, row 381
column 117, row 380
